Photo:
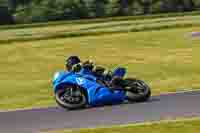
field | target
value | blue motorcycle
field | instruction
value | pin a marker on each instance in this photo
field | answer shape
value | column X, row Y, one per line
column 75, row 90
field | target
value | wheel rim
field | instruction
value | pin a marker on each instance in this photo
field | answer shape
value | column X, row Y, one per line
column 70, row 96
column 141, row 88
column 138, row 89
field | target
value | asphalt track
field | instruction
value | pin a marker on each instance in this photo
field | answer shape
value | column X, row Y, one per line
column 186, row 104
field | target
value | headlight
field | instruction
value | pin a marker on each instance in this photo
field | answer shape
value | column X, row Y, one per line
column 56, row 75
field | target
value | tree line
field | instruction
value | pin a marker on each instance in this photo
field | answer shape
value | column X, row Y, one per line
column 28, row 11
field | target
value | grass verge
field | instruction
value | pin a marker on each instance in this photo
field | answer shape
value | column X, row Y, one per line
column 110, row 27
column 168, row 60
column 174, row 126
column 99, row 20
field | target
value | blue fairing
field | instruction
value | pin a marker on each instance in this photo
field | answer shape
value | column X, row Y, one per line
column 97, row 94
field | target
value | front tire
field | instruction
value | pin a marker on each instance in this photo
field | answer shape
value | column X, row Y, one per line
column 66, row 99
column 138, row 90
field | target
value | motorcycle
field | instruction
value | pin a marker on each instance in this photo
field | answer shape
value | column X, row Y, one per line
column 74, row 90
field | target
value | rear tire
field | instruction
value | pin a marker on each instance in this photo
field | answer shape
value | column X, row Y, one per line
column 138, row 90
column 62, row 97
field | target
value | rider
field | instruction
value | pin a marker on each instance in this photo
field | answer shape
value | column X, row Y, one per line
column 73, row 63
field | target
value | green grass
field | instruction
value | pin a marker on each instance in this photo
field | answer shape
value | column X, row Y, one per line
column 94, row 28
column 168, row 60
column 99, row 20
column 184, row 126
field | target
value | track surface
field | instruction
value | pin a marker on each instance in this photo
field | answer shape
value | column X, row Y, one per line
column 159, row 107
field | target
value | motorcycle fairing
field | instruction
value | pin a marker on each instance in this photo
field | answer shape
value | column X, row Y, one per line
column 97, row 94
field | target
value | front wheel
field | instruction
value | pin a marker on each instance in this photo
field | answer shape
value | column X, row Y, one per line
column 71, row 97
column 137, row 90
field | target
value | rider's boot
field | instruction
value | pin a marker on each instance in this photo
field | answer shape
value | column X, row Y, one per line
column 116, row 82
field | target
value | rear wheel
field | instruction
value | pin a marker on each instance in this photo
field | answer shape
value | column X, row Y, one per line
column 71, row 97
column 137, row 90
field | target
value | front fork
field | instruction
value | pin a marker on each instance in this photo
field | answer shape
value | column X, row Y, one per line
column 73, row 94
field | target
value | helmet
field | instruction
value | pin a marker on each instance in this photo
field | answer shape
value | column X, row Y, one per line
column 70, row 61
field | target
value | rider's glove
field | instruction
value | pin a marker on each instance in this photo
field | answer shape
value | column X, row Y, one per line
column 76, row 67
